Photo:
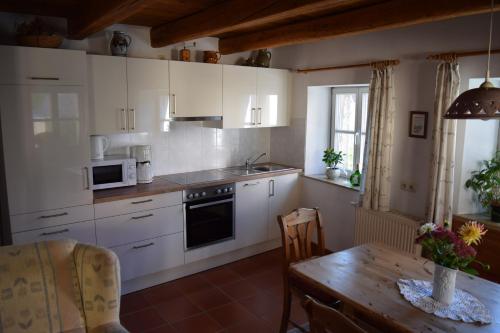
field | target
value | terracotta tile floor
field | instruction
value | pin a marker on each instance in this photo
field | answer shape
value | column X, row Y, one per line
column 243, row 296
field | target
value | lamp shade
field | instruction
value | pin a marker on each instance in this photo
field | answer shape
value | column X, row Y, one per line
column 478, row 103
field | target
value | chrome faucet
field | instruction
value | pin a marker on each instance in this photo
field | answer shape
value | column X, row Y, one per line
column 249, row 163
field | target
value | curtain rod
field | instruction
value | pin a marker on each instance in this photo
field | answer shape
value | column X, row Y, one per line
column 448, row 55
column 368, row 64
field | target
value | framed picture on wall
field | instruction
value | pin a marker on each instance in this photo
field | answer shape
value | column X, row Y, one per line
column 418, row 124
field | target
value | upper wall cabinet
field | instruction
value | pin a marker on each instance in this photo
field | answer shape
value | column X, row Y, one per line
column 196, row 89
column 127, row 94
column 39, row 66
column 255, row 97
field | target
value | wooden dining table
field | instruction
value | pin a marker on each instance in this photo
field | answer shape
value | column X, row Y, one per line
column 364, row 279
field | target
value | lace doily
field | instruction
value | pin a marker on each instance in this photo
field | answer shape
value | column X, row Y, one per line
column 465, row 307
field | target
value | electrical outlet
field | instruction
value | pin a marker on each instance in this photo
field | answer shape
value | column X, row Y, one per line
column 412, row 188
column 403, row 187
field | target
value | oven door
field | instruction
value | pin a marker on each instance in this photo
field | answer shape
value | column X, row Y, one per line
column 108, row 176
column 209, row 221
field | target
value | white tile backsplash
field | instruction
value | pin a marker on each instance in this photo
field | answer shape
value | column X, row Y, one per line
column 189, row 146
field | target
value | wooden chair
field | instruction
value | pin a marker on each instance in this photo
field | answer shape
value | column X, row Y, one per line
column 323, row 319
column 297, row 232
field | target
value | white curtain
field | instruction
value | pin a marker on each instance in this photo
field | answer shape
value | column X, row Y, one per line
column 439, row 206
column 381, row 108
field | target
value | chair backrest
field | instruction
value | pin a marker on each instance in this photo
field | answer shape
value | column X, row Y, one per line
column 323, row 319
column 297, row 234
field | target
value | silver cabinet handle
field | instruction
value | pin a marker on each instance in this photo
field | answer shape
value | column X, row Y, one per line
column 174, row 105
column 132, row 111
column 254, row 116
column 251, row 117
column 124, row 119
column 54, row 215
column 260, row 116
column 271, row 188
column 143, row 246
column 251, row 184
column 141, row 217
column 54, row 232
column 43, row 78
column 140, row 202
column 87, row 179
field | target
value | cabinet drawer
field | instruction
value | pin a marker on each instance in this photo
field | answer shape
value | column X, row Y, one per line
column 83, row 232
column 150, row 256
column 49, row 218
column 123, row 229
column 32, row 65
column 133, row 205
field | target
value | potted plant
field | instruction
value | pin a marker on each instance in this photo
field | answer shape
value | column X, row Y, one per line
column 332, row 159
column 450, row 252
column 486, row 183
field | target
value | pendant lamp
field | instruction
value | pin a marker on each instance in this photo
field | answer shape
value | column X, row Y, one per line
column 479, row 103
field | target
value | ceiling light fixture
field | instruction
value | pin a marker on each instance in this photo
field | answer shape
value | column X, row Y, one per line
column 479, row 103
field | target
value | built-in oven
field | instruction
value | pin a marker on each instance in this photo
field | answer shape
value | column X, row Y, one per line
column 208, row 215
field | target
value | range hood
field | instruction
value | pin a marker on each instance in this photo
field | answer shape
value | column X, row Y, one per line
column 210, row 118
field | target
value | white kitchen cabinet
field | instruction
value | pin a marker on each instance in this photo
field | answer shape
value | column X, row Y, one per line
column 252, row 200
column 83, row 232
column 148, row 94
column 283, row 198
column 46, row 146
column 107, row 94
column 272, row 97
column 41, row 66
column 196, row 89
column 150, row 256
column 129, row 228
column 127, row 94
column 239, row 96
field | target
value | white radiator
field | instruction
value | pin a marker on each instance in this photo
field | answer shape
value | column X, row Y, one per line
column 390, row 228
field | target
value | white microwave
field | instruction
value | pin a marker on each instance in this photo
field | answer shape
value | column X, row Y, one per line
column 113, row 171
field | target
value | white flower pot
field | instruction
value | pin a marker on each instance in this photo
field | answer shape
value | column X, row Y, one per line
column 443, row 287
column 332, row 173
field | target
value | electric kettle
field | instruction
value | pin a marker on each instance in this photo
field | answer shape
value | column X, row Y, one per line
column 98, row 145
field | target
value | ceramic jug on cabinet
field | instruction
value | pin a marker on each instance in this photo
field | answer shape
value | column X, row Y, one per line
column 98, row 145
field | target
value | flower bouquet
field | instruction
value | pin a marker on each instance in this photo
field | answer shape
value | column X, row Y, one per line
column 450, row 252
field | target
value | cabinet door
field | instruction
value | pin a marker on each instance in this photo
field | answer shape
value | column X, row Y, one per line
column 251, row 212
column 272, row 97
column 148, row 94
column 196, row 89
column 36, row 66
column 150, row 256
column 107, row 94
column 46, row 147
column 238, row 96
column 283, row 198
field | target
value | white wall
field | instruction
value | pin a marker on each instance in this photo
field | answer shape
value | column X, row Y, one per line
column 317, row 131
column 414, row 80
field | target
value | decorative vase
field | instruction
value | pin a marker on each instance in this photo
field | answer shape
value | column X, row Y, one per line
column 332, row 173
column 495, row 212
column 120, row 43
column 443, row 288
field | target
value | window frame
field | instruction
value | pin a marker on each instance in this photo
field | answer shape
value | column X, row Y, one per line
column 358, row 90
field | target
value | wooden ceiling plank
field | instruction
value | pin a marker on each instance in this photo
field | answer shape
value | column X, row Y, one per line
column 239, row 14
column 392, row 14
column 97, row 15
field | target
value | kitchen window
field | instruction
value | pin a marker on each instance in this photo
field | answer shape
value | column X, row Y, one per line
column 348, row 124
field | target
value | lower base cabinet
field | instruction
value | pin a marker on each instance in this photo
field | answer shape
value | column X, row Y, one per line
column 150, row 256
column 83, row 232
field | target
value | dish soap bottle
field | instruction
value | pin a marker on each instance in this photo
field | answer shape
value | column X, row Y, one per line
column 355, row 178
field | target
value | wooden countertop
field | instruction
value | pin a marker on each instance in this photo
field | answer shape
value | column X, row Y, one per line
column 161, row 185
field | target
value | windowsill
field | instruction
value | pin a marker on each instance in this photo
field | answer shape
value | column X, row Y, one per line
column 342, row 182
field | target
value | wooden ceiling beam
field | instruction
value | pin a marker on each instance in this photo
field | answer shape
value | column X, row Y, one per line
column 96, row 15
column 241, row 14
column 392, row 14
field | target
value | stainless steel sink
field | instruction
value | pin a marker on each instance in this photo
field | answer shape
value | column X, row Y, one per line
column 261, row 168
